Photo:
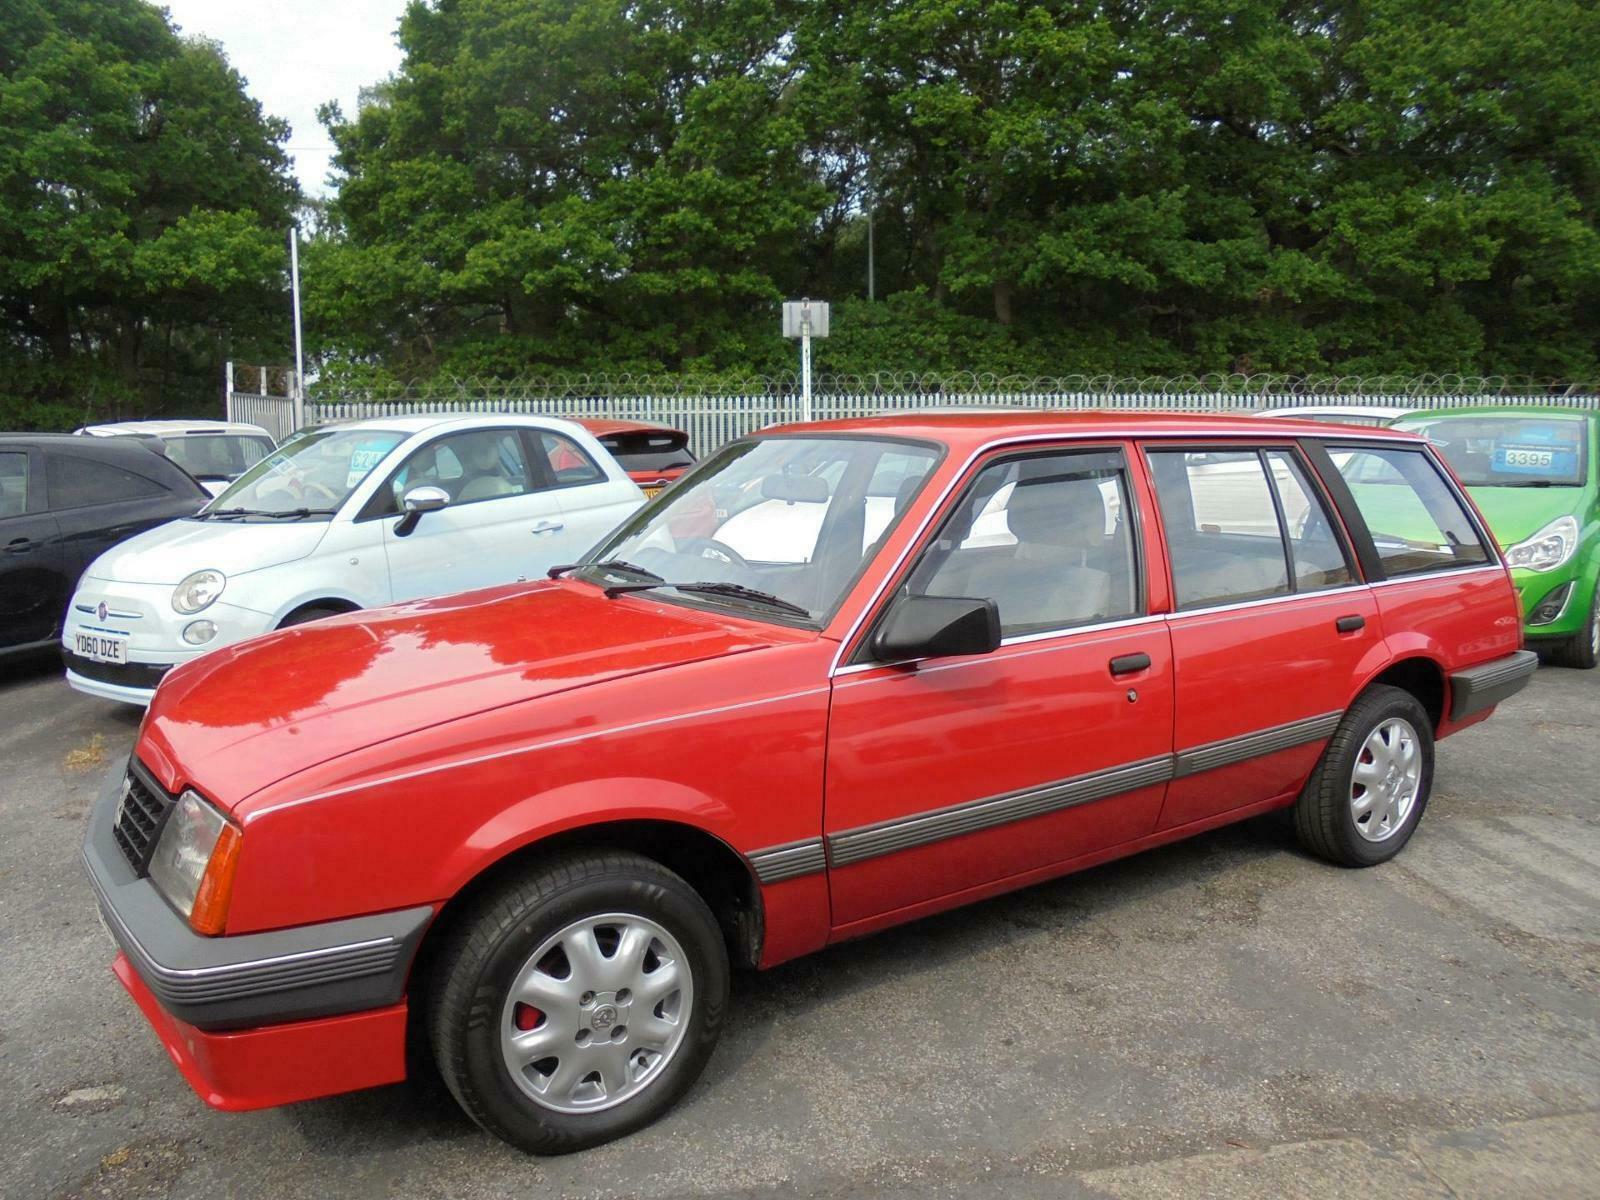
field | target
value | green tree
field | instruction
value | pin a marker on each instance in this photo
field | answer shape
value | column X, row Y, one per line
column 1136, row 186
column 144, row 203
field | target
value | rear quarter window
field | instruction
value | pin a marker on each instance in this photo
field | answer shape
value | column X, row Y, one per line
column 73, row 482
column 1416, row 521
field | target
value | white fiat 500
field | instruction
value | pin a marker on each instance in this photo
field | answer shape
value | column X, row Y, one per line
column 347, row 517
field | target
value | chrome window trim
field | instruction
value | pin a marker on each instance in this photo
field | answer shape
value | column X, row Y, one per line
column 1021, row 639
column 1286, row 598
column 1498, row 568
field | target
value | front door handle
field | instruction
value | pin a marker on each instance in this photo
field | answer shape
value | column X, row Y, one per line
column 20, row 545
column 547, row 527
column 1127, row 664
column 1350, row 624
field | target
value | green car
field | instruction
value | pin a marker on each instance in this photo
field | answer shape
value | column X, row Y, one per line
column 1529, row 470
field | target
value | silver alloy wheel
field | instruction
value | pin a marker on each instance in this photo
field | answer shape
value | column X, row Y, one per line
column 596, row 1013
column 1594, row 625
column 1386, row 779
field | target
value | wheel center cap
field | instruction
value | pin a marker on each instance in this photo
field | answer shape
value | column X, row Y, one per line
column 604, row 1017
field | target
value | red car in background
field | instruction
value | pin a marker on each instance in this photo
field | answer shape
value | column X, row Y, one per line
column 652, row 455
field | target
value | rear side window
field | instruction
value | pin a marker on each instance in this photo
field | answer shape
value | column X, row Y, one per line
column 570, row 465
column 1047, row 538
column 13, row 484
column 1222, row 526
column 78, row 482
column 1315, row 548
column 1416, row 522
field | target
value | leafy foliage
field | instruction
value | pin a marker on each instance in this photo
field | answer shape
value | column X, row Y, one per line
column 144, row 201
column 1359, row 185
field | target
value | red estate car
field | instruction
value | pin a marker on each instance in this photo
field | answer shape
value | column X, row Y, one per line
column 652, row 455
column 538, row 823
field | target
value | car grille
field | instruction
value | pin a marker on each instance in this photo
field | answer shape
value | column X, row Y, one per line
column 139, row 675
column 141, row 813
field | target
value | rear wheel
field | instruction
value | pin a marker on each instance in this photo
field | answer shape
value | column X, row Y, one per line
column 579, row 1003
column 1366, row 796
column 1582, row 649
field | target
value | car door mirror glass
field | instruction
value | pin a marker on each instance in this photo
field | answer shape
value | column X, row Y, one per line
column 937, row 627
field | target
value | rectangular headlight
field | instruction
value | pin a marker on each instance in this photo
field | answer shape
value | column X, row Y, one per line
column 193, row 863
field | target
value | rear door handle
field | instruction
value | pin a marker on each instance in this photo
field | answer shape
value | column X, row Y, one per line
column 547, row 527
column 1127, row 664
column 19, row 545
column 1350, row 624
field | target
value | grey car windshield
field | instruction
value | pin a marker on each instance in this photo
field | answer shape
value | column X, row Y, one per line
column 1508, row 450
column 779, row 527
column 313, row 475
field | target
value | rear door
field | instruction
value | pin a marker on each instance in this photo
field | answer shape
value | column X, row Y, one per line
column 952, row 775
column 34, row 583
column 1271, row 622
column 105, row 495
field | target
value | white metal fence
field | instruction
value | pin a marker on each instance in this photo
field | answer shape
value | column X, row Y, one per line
column 712, row 419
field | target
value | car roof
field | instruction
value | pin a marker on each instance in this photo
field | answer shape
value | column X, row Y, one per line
column 1489, row 410
column 427, row 422
column 1373, row 410
column 601, row 426
column 976, row 429
column 176, row 428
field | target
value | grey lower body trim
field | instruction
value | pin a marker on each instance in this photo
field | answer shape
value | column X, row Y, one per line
column 1481, row 687
column 789, row 861
column 1255, row 745
column 218, row 983
column 870, row 841
column 865, row 842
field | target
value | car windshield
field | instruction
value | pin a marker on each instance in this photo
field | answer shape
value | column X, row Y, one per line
column 311, row 476
column 779, row 528
column 216, row 455
column 1508, row 450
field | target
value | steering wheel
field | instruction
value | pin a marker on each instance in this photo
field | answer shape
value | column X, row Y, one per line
column 704, row 547
column 331, row 497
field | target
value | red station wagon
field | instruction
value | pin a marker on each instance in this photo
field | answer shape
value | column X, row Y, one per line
column 535, row 825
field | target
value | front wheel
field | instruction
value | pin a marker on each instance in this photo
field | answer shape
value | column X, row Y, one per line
column 1582, row 649
column 1367, row 794
column 579, row 1003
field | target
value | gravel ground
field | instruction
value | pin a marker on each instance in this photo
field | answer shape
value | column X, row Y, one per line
column 1225, row 1017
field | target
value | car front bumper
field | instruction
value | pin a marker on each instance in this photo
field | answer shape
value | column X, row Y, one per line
column 260, row 1018
column 142, row 615
column 1535, row 587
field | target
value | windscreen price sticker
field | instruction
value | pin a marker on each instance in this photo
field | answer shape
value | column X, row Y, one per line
column 1521, row 458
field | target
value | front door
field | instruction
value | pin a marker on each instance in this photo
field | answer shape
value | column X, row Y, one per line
column 1270, row 627
column 502, row 524
column 952, row 775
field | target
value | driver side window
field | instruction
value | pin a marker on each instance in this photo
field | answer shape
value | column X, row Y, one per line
column 481, row 464
column 1046, row 537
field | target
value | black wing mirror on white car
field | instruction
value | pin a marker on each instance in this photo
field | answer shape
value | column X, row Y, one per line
column 419, row 500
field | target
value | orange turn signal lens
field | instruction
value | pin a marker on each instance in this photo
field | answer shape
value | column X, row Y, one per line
column 210, row 912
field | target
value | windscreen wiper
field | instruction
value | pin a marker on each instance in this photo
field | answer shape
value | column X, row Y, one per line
column 615, row 564
column 714, row 588
column 301, row 512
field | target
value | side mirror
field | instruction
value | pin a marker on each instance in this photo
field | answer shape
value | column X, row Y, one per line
column 936, row 627
column 419, row 500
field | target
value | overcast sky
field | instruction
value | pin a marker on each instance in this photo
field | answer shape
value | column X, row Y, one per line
column 297, row 54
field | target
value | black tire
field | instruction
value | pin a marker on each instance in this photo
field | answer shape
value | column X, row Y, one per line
column 301, row 616
column 1324, row 820
column 1582, row 650
column 494, row 940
